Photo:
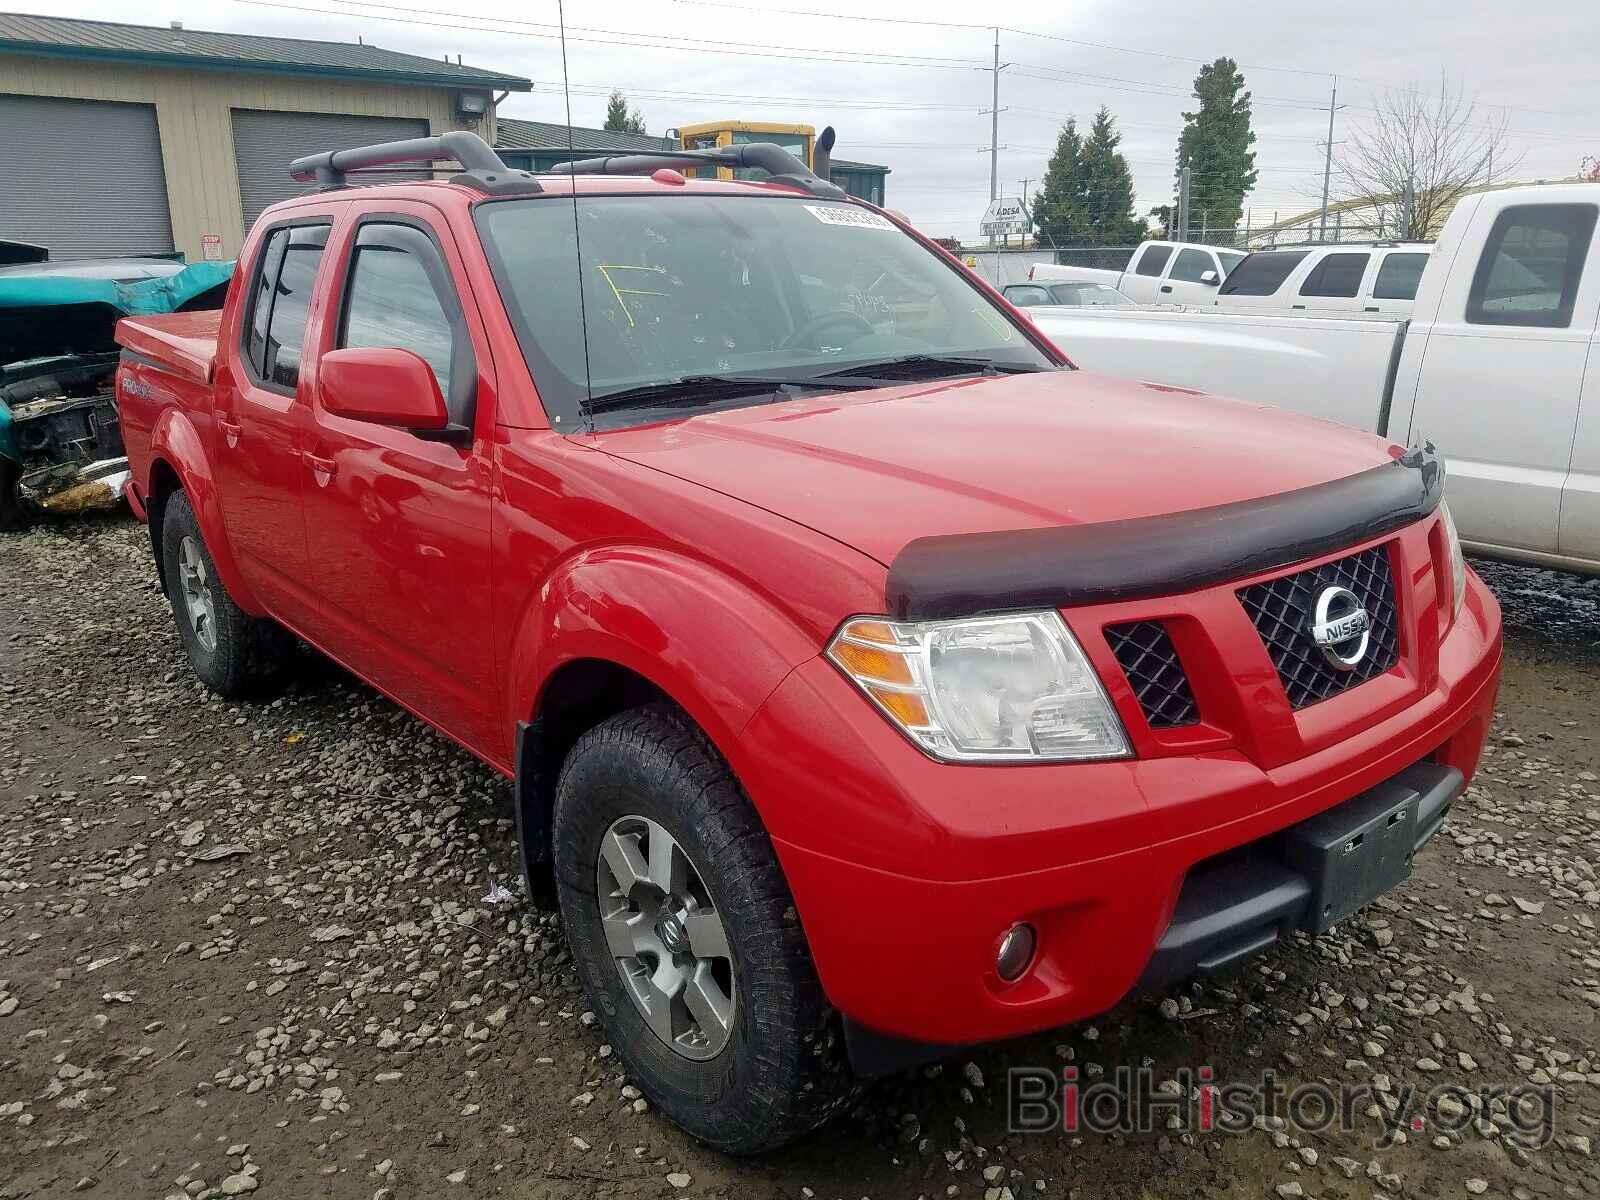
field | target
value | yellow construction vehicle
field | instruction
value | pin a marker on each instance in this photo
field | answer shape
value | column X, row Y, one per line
column 798, row 140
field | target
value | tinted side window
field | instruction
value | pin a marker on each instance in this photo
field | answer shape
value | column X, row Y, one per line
column 1399, row 276
column 1531, row 266
column 255, row 340
column 1191, row 265
column 1027, row 294
column 1152, row 260
column 286, row 331
column 1262, row 274
column 399, row 295
column 1336, row 275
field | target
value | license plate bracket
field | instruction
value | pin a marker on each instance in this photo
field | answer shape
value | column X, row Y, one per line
column 1354, row 852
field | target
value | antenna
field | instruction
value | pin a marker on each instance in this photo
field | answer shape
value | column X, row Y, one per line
column 577, row 236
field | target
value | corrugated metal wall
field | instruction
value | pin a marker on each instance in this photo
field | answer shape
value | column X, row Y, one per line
column 265, row 143
column 194, row 114
column 82, row 177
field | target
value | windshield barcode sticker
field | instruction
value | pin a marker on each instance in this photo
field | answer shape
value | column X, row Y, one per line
column 839, row 214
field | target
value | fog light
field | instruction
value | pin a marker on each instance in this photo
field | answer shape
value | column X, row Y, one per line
column 1016, row 952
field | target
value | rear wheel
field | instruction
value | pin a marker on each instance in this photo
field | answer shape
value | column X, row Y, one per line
column 686, row 938
column 233, row 653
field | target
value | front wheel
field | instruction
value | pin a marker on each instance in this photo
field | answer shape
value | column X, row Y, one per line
column 686, row 938
column 233, row 653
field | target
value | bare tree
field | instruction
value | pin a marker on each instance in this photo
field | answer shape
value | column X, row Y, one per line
column 1420, row 153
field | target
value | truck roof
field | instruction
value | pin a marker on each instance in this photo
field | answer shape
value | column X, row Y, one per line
column 483, row 174
column 554, row 186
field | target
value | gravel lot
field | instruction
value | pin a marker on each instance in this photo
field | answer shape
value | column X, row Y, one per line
column 246, row 948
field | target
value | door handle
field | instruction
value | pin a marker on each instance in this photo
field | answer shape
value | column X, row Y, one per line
column 322, row 468
column 1166, row 287
column 230, row 431
column 1371, row 308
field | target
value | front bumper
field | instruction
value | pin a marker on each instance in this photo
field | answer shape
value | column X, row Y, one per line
column 906, row 872
column 1236, row 906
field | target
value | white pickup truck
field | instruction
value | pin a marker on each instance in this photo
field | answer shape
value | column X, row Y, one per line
column 1158, row 273
column 1496, row 367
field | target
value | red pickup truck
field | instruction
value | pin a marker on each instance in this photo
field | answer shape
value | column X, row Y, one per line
column 873, row 682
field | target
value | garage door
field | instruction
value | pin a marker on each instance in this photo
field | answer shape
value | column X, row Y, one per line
column 82, row 177
column 265, row 143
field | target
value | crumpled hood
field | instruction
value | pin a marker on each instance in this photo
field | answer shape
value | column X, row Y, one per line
column 876, row 470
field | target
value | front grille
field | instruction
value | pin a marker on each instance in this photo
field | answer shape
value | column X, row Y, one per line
column 1282, row 612
column 1150, row 661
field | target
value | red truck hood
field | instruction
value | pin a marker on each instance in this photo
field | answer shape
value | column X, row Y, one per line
column 877, row 469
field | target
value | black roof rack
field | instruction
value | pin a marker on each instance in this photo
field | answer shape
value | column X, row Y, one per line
column 483, row 171
column 777, row 162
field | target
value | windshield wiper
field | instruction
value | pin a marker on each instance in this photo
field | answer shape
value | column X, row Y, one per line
column 691, row 391
column 908, row 366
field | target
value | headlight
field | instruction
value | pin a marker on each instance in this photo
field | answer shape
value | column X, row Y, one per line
column 1458, row 565
column 991, row 689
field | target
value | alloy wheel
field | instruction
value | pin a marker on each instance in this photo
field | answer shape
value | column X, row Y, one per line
column 666, row 937
column 197, row 599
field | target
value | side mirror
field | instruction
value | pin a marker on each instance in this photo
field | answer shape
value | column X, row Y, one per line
column 1209, row 278
column 383, row 385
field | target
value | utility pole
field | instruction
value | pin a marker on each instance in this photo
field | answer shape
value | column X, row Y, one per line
column 1182, row 233
column 1327, row 158
column 994, row 123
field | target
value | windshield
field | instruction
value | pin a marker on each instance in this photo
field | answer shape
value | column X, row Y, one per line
column 695, row 285
column 1230, row 260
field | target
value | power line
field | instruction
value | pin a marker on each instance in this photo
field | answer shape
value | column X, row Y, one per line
column 700, row 46
column 603, row 89
column 1052, row 37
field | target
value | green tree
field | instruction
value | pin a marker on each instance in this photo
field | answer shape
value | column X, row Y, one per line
column 618, row 117
column 1087, row 195
column 1108, row 186
column 1215, row 146
column 1058, row 207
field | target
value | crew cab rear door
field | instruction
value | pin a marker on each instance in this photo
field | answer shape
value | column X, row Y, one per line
column 260, row 411
column 1502, row 365
column 1143, row 276
column 397, row 520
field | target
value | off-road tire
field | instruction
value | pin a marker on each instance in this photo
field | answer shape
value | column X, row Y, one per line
column 782, row 1072
column 252, row 653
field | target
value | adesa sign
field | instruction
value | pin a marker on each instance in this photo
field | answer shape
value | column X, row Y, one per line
column 1004, row 216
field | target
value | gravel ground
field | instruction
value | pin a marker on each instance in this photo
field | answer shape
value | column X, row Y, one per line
column 249, row 948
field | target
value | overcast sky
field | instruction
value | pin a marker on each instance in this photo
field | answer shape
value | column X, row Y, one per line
column 909, row 92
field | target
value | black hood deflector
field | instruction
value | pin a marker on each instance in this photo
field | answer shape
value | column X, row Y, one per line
column 966, row 574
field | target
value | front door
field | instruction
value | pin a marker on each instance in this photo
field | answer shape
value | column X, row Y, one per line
column 1502, row 369
column 1187, row 282
column 1580, row 501
column 397, row 522
column 260, row 417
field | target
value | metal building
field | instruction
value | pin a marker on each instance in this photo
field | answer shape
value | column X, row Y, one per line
column 133, row 139
column 539, row 145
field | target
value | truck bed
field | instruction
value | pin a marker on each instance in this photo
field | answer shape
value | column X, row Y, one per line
column 183, row 343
